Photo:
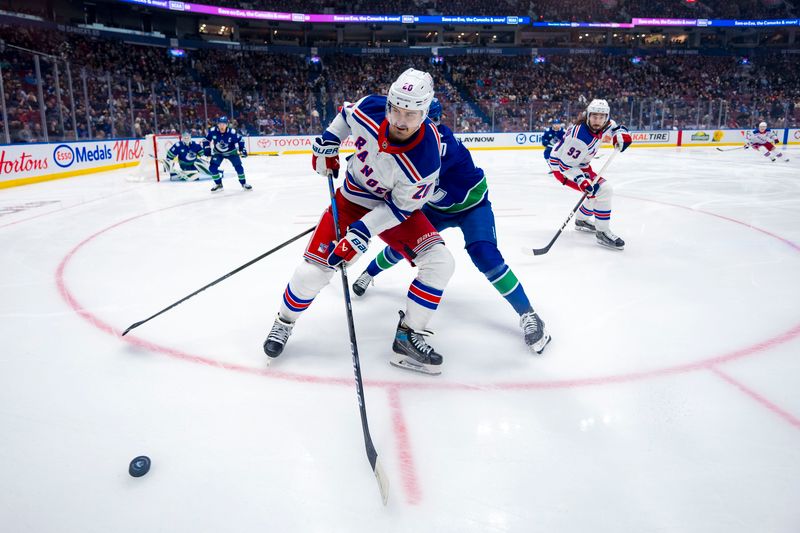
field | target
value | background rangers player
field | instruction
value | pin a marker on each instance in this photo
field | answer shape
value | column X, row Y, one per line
column 570, row 162
column 391, row 175
column 461, row 200
column 763, row 137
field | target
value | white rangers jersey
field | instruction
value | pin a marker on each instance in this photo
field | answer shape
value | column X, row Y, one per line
column 756, row 137
column 577, row 149
column 392, row 180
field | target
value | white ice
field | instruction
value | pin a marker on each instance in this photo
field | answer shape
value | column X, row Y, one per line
column 668, row 400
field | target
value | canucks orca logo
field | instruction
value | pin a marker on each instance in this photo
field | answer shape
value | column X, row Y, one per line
column 222, row 146
column 191, row 156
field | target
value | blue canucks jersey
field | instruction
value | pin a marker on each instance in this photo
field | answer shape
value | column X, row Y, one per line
column 461, row 184
column 551, row 137
column 224, row 143
column 186, row 155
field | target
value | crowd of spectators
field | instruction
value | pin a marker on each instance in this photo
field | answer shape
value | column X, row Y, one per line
column 123, row 90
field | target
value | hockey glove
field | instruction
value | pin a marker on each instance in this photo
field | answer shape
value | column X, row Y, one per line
column 585, row 184
column 351, row 246
column 207, row 151
column 746, row 146
column 243, row 152
column 325, row 157
column 622, row 139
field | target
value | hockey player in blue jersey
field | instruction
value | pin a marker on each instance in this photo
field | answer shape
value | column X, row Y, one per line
column 461, row 200
column 552, row 136
column 189, row 165
column 222, row 143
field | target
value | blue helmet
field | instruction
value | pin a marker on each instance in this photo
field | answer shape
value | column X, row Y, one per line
column 435, row 110
column 222, row 120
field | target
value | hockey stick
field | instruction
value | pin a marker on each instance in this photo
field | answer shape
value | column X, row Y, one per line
column 542, row 251
column 229, row 274
column 730, row 149
column 372, row 454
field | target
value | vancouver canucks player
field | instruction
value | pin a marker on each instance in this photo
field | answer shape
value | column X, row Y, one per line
column 461, row 200
column 222, row 143
column 189, row 165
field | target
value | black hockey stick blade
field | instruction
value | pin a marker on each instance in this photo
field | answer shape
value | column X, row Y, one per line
column 229, row 274
column 372, row 454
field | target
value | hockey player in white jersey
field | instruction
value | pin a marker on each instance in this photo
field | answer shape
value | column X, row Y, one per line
column 763, row 137
column 389, row 178
column 570, row 162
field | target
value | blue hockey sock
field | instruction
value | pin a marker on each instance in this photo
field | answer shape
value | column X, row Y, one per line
column 385, row 260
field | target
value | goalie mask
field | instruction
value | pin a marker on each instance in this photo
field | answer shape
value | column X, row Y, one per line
column 186, row 138
column 409, row 99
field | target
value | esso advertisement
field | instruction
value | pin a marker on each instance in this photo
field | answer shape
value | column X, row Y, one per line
column 63, row 156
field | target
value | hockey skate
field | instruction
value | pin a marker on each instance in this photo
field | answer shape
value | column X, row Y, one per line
column 276, row 340
column 361, row 285
column 216, row 187
column 609, row 240
column 584, row 225
column 247, row 186
column 412, row 352
column 536, row 335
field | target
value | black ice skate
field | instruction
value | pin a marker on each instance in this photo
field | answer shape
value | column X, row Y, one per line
column 362, row 283
column 216, row 187
column 609, row 240
column 536, row 335
column 246, row 186
column 413, row 353
column 584, row 225
column 277, row 337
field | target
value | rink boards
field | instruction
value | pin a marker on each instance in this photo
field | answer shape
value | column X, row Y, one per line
column 22, row 164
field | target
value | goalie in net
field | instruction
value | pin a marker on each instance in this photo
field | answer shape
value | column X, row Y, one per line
column 184, row 162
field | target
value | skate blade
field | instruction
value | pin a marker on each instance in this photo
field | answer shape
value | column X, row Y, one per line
column 538, row 347
column 401, row 361
column 611, row 247
column 585, row 230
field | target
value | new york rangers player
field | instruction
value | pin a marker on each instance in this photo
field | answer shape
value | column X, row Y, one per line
column 763, row 137
column 391, row 175
column 570, row 162
column 461, row 200
column 223, row 143
column 552, row 136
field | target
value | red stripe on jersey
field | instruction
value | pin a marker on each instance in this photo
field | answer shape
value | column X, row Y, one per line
column 366, row 119
column 411, row 169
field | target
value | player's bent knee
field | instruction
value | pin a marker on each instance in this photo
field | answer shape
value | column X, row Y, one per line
column 315, row 274
column 436, row 266
column 485, row 255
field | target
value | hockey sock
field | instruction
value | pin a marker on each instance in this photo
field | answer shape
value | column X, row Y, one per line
column 423, row 300
column 301, row 290
column 216, row 179
column 241, row 178
column 385, row 260
column 505, row 281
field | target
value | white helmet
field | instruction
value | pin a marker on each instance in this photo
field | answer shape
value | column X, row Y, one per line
column 412, row 90
column 762, row 126
column 186, row 138
column 598, row 106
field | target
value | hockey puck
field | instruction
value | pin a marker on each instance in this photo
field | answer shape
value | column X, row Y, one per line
column 139, row 466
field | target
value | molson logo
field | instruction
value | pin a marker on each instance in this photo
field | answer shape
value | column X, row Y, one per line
column 700, row 136
column 63, row 155
column 127, row 150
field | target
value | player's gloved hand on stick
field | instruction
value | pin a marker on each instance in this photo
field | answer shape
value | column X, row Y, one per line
column 325, row 157
column 746, row 146
column 243, row 152
column 354, row 243
column 207, row 151
column 622, row 138
column 585, row 184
